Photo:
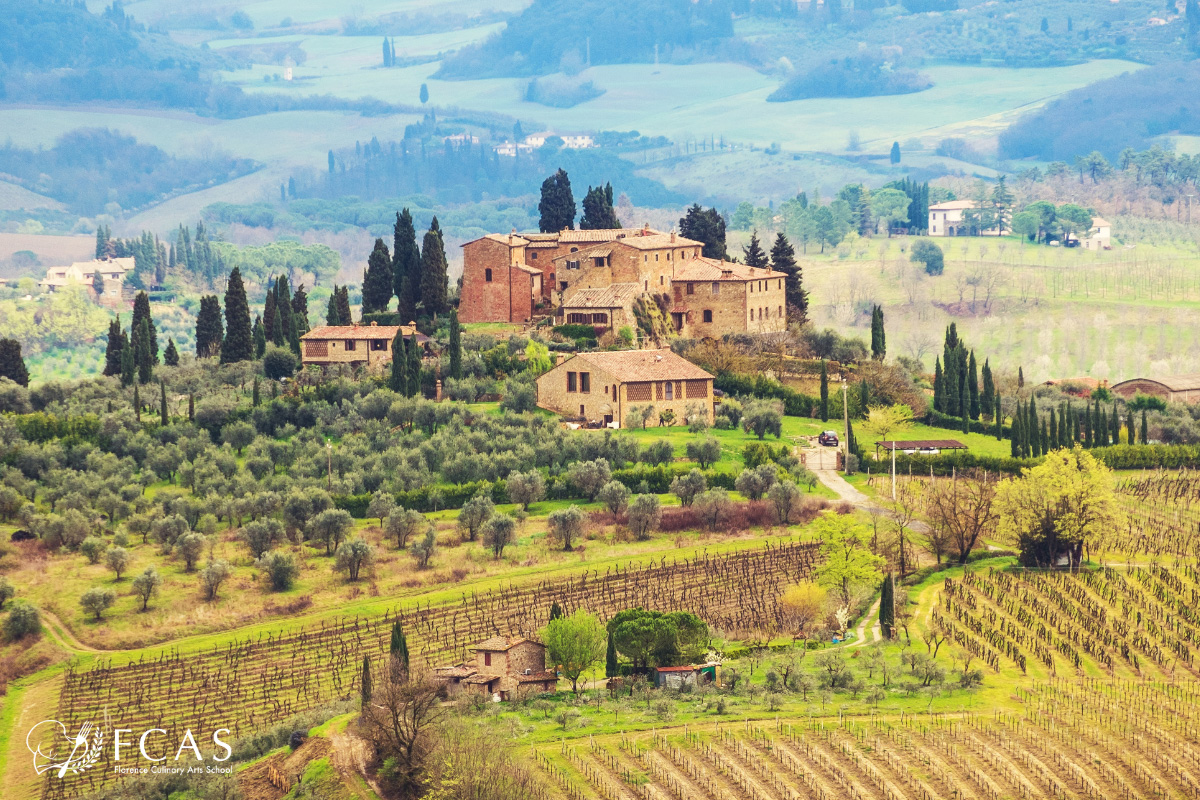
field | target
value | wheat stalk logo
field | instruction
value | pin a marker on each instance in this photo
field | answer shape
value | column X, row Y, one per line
column 86, row 747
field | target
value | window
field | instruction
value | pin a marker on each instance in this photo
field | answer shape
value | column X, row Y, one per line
column 668, row 255
column 781, row 311
column 716, row 288
column 574, row 249
column 572, row 381
column 656, row 256
column 599, row 261
column 572, row 265
column 780, row 286
column 487, row 659
column 691, row 288
column 585, row 382
column 487, row 274
column 582, row 410
column 533, row 256
column 349, row 344
column 669, row 390
column 645, row 258
column 562, row 286
column 379, row 344
column 614, row 393
column 708, row 315
column 661, row 280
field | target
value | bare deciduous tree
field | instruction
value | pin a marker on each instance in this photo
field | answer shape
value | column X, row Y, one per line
column 962, row 508
column 399, row 720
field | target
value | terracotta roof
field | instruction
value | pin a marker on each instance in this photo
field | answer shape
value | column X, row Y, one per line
column 1100, row 222
column 602, row 234
column 713, row 269
column 460, row 671
column 658, row 241
column 528, row 269
column 618, row 295
column 1174, row 383
column 503, row 238
column 641, row 365
column 923, row 444
column 481, row 680
column 355, row 332
column 538, row 677
column 499, row 644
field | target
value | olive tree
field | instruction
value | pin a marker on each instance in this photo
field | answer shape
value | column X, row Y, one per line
column 423, row 549
column 589, row 477
column 526, row 488
column 498, row 533
column 330, row 527
column 146, row 585
column 117, row 559
column 687, row 487
column 645, row 513
column 261, row 535
column 474, row 515
column 615, row 496
column 705, row 452
column 96, row 600
column 190, row 547
column 353, row 555
column 23, row 620
column 786, row 498
column 403, row 523
column 212, row 576
column 280, row 568
column 566, row 525
column 756, row 482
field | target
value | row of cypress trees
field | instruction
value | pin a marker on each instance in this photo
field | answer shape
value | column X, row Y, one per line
column 1034, row 435
column 418, row 278
column 133, row 354
column 956, row 380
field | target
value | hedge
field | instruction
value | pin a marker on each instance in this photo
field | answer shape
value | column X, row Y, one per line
column 947, row 463
column 1149, row 456
column 936, row 419
column 795, row 404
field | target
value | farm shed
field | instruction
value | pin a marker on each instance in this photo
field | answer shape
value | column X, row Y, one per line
column 921, row 447
column 688, row 675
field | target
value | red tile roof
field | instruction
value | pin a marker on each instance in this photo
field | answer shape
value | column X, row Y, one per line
column 500, row 644
column 640, row 365
column 714, row 269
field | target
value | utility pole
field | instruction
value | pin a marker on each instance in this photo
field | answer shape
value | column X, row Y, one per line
column 893, row 470
column 846, row 430
column 329, row 466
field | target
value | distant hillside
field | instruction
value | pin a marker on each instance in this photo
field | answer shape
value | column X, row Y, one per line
column 553, row 35
column 1110, row 115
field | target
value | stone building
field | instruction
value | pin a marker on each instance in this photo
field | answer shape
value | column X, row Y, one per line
column 710, row 298
column 1173, row 389
column 504, row 666
column 601, row 387
column 83, row 273
column 609, row 307
column 356, row 345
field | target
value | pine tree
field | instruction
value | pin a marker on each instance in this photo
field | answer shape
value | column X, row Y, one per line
column 706, row 227
column 406, row 266
column 887, row 606
column 398, row 377
column 12, row 363
column 455, row 346
column 239, row 340
column 610, row 659
column 365, row 682
column 557, row 206
column 414, row 367
column 973, row 386
column 112, row 350
column 377, row 280
column 598, row 212
column 171, row 355
column 753, row 255
column 434, row 271
column 209, row 329
column 824, row 391
column 260, row 337
column 783, row 259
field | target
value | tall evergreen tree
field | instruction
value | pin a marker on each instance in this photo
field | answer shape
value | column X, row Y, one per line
column 824, row 391
column 989, row 386
column 377, row 280
column 343, row 306
column 171, row 354
column 706, row 227
column 557, row 206
column 939, row 387
column 269, row 321
column 878, row 335
column 283, row 310
column 1053, row 427
column 455, row 346
column 332, row 315
column 128, row 366
column 1114, row 424
column 1145, row 432
column 398, row 377
column 137, row 403
column 887, row 606
column 141, row 352
column 398, row 648
column 598, row 212
column 556, row 611
column 162, row 404
column 435, row 279
column 864, row 397
column 209, row 329
column 998, row 416
column 112, row 350
column 973, row 385
column 365, row 689
column 141, row 313
column 414, row 367
column 239, row 340
column 753, row 255
column 1033, row 429
column 610, row 658
column 260, row 337
column 783, row 259
column 406, row 266
column 300, row 311
column 1130, row 428
column 12, row 363
column 1016, row 435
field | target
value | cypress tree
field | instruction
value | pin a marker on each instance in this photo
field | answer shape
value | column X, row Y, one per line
column 414, row 367
column 239, row 340
column 1099, row 426
column 12, row 363
column 435, row 280
column 171, row 355
column 1114, row 422
column 1130, row 428
column 610, row 659
column 332, row 316
column 939, row 399
column 887, row 606
column 269, row 320
column 191, row 408
column 128, row 366
column 455, row 346
column 965, row 404
column 406, row 266
column 1044, row 443
column 255, row 397
column 1053, row 438
column 1075, row 434
column 162, row 404
column 824, row 391
column 137, row 403
column 209, row 330
column 260, row 337
column 112, row 350
column 598, row 213
column 864, row 397
column 366, row 680
column 878, row 337
column 1016, row 434
column 555, row 611
column 1145, row 429
column 557, row 206
column 1087, row 426
column 141, row 352
column 300, row 311
column 141, row 313
column 989, row 386
column 343, row 306
column 398, row 649
column 998, row 416
column 398, row 378
column 377, row 280
column 973, row 386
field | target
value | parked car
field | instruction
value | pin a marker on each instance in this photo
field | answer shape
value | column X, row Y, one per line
column 828, row 438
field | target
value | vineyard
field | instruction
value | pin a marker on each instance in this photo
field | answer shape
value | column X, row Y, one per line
column 1077, row 738
column 1162, row 516
column 248, row 684
column 1142, row 620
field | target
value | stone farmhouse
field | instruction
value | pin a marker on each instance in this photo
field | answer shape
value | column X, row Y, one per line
column 504, row 667
column 1173, row 389
column 946, row 219
column 601, row 387
column 355, row 345
column 82, row 273
column 596, row 277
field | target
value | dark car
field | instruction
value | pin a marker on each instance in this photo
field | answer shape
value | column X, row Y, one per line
column 828, row 438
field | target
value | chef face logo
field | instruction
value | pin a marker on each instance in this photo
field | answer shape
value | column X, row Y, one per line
column 56, row 750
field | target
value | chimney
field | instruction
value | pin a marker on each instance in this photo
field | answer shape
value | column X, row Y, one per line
column 645, row 229
column 672, row 236
column 373, row 323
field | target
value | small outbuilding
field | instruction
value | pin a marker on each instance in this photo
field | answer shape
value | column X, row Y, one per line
column 1174, row 389
column 504, row 667
column 920, row 447
column 687, row 675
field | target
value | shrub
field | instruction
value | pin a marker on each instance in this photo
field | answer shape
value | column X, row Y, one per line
column 97, row 599
column 278, row 363
column 645, row 514
column 7, row 591
column 23, row 620
column 353, row 555
column 927, row 253
column 615, row 496
column 93, row 548
column 281, row 569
